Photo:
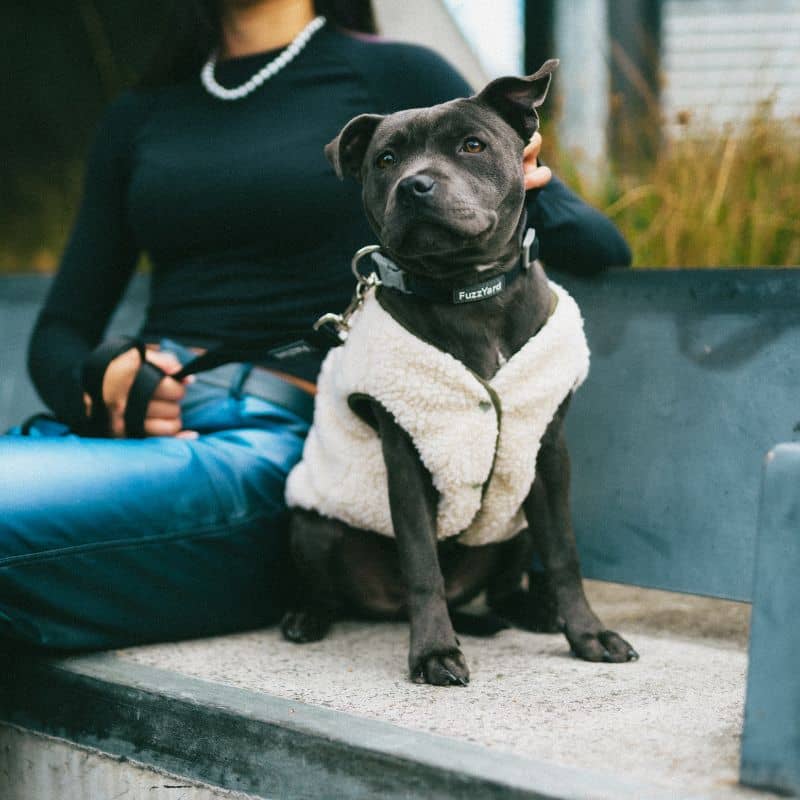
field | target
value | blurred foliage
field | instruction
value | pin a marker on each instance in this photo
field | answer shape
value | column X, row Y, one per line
column 709, row 198
column 61, row 64
column 34, row 231
column 706, row 198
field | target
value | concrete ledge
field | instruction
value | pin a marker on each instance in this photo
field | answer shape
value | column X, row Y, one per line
column 270, row 746
column 41, row 767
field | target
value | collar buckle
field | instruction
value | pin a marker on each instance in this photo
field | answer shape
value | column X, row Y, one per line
column 390, row 274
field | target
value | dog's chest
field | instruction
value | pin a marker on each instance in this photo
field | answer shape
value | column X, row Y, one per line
column 485, row 348
column 480, row 349
column 484, row 335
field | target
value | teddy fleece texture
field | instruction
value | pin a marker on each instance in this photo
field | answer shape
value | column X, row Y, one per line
column 478, row 439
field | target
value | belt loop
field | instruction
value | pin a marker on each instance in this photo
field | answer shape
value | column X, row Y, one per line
column 237, row 384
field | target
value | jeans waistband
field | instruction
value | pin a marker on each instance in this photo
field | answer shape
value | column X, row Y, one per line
column 241, row 379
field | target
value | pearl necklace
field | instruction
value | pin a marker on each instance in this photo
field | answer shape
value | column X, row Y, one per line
column 265, row 73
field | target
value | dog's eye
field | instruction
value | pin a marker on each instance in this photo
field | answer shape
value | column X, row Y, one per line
column 472, row 145
column 385, row 159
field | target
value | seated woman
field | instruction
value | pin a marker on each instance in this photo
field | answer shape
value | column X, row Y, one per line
column 108, row 540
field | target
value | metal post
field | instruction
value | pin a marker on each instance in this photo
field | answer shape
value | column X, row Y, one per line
column 771, row 738
column 539, row 33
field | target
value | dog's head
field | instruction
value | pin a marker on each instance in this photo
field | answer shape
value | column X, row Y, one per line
column 444, row 185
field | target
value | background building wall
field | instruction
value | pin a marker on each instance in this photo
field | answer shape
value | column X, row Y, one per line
column 429, row 23
column 723, row 57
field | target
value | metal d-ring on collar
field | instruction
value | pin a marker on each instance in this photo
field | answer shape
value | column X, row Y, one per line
column 371, row 279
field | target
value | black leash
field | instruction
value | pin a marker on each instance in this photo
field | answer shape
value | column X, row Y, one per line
column 328, row 331
column 315, row 343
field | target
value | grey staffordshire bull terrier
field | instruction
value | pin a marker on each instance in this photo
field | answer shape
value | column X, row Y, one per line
column 443, row 190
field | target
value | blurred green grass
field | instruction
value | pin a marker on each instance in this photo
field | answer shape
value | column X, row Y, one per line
column 37, row 214
column 710, row 198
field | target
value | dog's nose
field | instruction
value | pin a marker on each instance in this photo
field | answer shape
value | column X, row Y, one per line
column 416, row 185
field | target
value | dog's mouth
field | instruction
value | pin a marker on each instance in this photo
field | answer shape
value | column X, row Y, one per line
column 437, row 234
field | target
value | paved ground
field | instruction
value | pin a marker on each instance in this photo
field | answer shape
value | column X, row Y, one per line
column 673, row 718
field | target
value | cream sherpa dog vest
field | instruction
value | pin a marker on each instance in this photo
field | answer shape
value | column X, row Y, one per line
column 478, row 439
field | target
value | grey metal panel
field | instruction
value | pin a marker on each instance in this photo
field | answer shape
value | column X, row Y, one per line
column 694, row 376
column 21, row 297
column 771, row 740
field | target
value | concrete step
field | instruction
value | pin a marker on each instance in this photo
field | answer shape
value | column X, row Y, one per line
column 34, row 766
column 338, row 718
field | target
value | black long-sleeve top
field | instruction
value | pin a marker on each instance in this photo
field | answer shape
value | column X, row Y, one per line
column 248, row 231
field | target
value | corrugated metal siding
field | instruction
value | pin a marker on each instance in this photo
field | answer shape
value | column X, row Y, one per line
column 721, row 58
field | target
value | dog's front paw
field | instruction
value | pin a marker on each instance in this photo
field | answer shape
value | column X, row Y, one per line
column 605, row 646
column 304, row 626
column 449, row 669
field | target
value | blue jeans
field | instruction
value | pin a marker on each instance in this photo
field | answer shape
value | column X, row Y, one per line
column 107, row 543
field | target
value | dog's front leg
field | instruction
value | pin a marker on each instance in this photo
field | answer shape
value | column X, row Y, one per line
column 548, row 513
column 434, row 656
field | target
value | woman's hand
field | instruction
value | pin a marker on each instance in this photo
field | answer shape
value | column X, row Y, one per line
column 535, row 176
column 163, row 412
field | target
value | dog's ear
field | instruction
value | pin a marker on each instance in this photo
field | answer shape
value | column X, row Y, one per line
column 346, row 151
column 516, row 99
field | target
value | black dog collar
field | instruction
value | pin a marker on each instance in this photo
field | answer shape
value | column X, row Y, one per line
column 394, row 277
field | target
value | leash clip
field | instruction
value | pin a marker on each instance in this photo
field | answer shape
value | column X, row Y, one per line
column 331, row 319
column 341, row 322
